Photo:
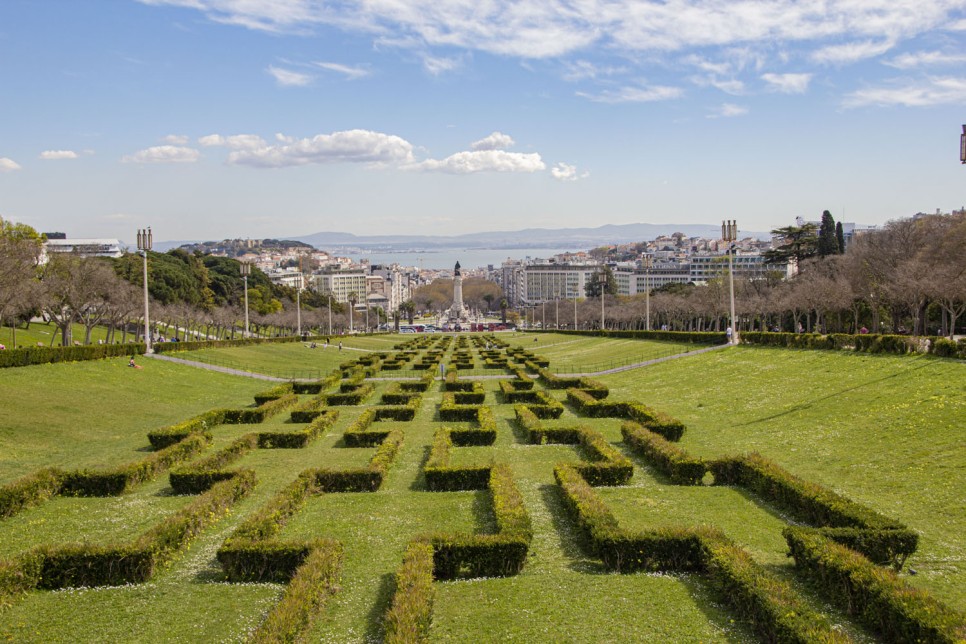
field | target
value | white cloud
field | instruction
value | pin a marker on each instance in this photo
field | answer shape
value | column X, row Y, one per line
column 925, row 59
column 438, row 65
column 484, row 161
column 728, row 86
column 8, row 165
column 788, row 83
column 584, row 70
column 351, row 146
column 541, row 29
column 925, row 93
column 728, row 110
column 496, row 141
column 352, row 73
column 851, row 52
column 288, row 78
column 176, row 139
column 566, row 172
column 163, row 154
column 233, row 142
column 53, row 155
column 635, row 94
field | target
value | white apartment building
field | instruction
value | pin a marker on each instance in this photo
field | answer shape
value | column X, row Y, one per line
column 545, row 282
column 341, row 282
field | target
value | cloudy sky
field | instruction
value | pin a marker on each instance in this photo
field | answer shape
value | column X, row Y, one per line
column 252, row 118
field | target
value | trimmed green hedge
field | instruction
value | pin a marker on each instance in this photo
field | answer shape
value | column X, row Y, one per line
column 28, row 491
column 74, row 565
column 199, row 477
column 775, row 611
column 411, row 612
column 442, row 477
column 167, row 436
column 315, row 581
column 493, row 555
column 300, row 438
column 45, row 355
column 668, row 458
column 692, row 337
column 274, row 393
column 819, row 506
column 861, row 342
column 656, row 421
column 116, row 481
column 895, row 610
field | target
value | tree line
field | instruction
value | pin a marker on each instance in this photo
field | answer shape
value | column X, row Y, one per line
column 191, row 295
column 907, row 277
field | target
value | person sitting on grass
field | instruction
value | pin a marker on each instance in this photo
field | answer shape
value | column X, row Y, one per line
column 132, row 364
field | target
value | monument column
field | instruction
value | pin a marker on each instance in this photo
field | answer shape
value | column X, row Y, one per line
column 457, row 310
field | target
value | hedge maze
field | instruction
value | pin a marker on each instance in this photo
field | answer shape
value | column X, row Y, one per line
column 291, row 488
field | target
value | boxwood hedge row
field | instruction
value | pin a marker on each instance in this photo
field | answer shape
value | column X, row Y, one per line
column 876, row 596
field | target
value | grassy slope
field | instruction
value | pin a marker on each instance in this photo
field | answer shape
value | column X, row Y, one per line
column 569, row 353
column 887, row 431
column 97, row 413
column 561, row 594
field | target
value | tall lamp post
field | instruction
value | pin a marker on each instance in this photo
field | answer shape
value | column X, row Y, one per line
column 145, row 241
column 575, row 311
column 962, row 146
column 330, row 313
column 298, row 303
column 246, row 270
column 543, row 314
column 647, row 291
column 603, row 287
column 729, row 233
column 556, row 319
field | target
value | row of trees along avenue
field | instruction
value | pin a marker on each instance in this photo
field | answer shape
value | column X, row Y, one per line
column 907, row 277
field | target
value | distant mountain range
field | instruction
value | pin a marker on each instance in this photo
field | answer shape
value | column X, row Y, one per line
column 525, row 238
column 576, row 238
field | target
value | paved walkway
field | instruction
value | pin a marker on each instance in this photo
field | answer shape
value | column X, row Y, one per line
column 259, row 376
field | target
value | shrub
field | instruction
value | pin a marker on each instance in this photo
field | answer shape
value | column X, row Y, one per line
column 668, row 458
column 410, row 615
column 898, row 612
column 200, row 476
column 441, row 477
column 45, row 355
column 116, row 481
column 28, row 491
column 274, row 393
column 314, row 582
column 300, row 438
column 167, row 436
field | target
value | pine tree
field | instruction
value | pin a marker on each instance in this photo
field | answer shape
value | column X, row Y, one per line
column 827, row 242
column 840, row 237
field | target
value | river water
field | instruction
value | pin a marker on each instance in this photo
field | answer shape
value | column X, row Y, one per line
column 447, row 258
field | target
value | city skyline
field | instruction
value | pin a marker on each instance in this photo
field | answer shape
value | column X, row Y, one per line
column 218, row 118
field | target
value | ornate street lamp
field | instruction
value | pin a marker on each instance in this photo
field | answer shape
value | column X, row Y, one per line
column 145, row 241
column 729, row 233
column 246, row 270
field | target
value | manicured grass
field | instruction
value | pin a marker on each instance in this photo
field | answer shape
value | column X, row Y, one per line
column 43, row 332
column 98, row 413
column 887, row 431
column 568, row 353
column 562, row 594
column 293, row 359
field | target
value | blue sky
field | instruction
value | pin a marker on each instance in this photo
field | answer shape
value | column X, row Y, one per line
column 254, row 118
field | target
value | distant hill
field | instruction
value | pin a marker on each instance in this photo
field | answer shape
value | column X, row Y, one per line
column 525, row 238
column 577, row 238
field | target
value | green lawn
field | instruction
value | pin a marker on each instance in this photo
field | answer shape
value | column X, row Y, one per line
column 886, row 431
column 98, row 413
column 45, row 332
column 293, row 359
column 574, row 354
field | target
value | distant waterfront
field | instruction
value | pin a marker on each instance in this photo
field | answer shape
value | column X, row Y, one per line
column 447, row 258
